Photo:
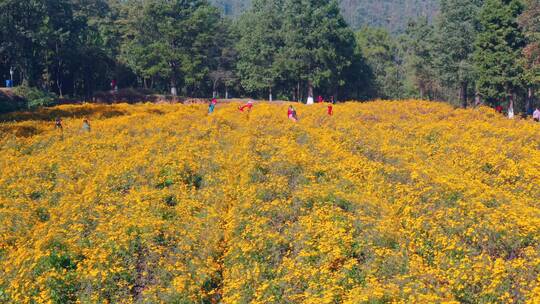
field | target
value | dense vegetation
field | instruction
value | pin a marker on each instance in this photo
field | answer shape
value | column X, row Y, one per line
column 384, row 202
column 470, row 52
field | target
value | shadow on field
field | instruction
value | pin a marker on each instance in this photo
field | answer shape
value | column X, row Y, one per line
column 49, row 114
column 20, row 131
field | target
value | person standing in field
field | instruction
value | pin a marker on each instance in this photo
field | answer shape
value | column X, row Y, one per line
column 247, row 106
column 58, row 124
column 291, row 113
column 536, row 115
column 330, row 109
column 320, row 99
column 86, row 125
column 212, row 106
column 114, row 86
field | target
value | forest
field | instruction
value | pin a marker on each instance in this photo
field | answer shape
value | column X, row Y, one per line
column 460, row 51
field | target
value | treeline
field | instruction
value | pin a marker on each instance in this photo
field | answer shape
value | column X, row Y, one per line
column 474, row 51
column 484, row 49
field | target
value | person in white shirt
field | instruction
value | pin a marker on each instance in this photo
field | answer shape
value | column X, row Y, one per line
column 536, row 115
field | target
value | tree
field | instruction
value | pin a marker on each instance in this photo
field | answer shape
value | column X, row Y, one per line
column 319, row 45
column 498, row 51
column 457, row 27
column 40, row 39
column 224, row 58
column 20, row 21
column 381, row 51
column 172, row 41
column 418, row 43
column 392, row 15
column 58, row 45
column 260, row 42
column 531, row 28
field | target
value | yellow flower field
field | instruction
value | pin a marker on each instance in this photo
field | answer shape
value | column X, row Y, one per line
column 384, row 202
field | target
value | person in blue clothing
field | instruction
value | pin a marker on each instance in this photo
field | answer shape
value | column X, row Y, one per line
column 212, row 106
column 86, row 125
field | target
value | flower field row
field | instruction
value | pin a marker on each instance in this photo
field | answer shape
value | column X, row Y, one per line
column 384, row 202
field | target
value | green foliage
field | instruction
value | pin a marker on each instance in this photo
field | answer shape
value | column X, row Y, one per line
column 418, row 43
column 172, row 41
column 10, row 102
column 35, row 97
column 54, row 44
column 285, row 48
column 382, row 54
column 457, row 27
column 286, row 45
column 319, row 46
column 223, row 69
column 531, row 28
column 64, row 288
column 171, row 200
column 498, row 50
column 43, row 214
column 260, row 42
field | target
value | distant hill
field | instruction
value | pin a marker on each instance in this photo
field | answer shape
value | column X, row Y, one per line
column 232, row 7
column 390, row 14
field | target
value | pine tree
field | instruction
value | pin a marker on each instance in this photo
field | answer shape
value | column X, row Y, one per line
column 498, row 51
column 418, row 43
column 260, row 42
column 531, row 27
column 319, row 45
column 457, row 28
column 172, row 41
column 381, row 51
column 224, row 58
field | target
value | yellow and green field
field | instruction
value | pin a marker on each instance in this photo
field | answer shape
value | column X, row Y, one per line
column 384, row 202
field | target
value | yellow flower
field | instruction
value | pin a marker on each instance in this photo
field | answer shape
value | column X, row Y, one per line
column 409, row 202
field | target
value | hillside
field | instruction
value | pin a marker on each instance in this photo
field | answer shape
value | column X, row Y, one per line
column 390, row 14
column 413, row 202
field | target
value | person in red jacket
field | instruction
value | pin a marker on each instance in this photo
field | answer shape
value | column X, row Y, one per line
column 212, row 106
column 247, row 106
column 291, row 113
column 330, row 109
column 58, row 124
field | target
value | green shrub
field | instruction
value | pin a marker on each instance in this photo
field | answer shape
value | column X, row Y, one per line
column 171, row 200
column 10, row 102
column 43, row 214
column 35, row 97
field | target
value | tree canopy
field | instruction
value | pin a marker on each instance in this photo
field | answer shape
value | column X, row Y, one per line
column 275, row 49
